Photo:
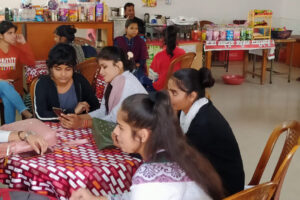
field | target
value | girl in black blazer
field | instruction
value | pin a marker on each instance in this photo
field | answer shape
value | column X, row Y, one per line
column 205, row 127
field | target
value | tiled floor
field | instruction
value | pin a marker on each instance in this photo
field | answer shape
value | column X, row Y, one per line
column 253, row 110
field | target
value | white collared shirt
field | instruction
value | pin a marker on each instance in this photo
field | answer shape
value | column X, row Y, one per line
column 4, row 136
column 186, row 119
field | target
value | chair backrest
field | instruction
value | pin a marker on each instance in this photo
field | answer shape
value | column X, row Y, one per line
column 82, row 41
column 263, row 191
column 32, row 93
column 185, row 61
column 204, row 22
column 88, row 69
column 292, row 130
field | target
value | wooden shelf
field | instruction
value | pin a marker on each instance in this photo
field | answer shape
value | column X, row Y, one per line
column 261, row 37
column 262, row 16
column 261, row 26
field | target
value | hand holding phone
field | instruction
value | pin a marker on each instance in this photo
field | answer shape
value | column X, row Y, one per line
column 58, row 111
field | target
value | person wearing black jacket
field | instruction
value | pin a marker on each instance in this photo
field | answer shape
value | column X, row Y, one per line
column 63, row 88
column 205, row 127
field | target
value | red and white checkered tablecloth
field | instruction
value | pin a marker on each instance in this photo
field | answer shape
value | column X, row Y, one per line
column 57, row 174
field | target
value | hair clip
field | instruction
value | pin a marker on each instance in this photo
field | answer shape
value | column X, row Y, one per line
column 130, row 55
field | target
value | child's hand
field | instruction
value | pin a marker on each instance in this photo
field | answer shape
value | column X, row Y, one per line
column 20, row 39
column 153, row 75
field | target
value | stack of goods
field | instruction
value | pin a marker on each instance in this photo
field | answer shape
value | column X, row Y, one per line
column 260, row 21
column 58, row 10
column 228, row 32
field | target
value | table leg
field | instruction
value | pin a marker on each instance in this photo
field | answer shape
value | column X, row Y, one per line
column 271, row 71
column 254, row 62
column 227, row 60
column 291, row 60
column 264, row 66
column 245, row 64
column 208, row 59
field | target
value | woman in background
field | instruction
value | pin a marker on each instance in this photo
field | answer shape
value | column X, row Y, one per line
column 14, row 52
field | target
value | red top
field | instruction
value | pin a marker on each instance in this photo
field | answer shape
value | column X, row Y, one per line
column 160, row 65
column 10, row 63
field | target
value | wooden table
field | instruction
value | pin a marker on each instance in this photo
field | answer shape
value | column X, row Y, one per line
column 265, row 45
column 278, row 44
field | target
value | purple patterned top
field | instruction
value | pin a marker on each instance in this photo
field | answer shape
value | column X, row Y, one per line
column 159, row 172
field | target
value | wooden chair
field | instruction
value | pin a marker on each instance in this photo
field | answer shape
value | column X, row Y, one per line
column 2, row 112
column 292, row 130
column 82, row 41
column 185, row 61
column 267, row 191
column 32, row 94
column 88, row 69
column 260, row 192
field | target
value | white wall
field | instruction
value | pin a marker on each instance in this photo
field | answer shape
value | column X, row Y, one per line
column 219, row 11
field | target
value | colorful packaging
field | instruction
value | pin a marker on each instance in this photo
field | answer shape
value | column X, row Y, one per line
column 216, row 34
column 249, row 34
column 209, row 34
column 73, row 13
column 99, row 12
column 222, row 34
column 236, row 34
column 229, row 34
column 91, row 12
column 243, row 35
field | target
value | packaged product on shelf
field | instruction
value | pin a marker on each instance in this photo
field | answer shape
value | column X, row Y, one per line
column 229, row 34
column 222, row 34
column 243, row 33
column 237, row 33
column 91, row 11
column 73, row 13
column 216, row 34
column 2, row 14
column 52, row 4
column 249, row 33
column 99, row 12
column 82, row 12
column 63, row 10
column 209, row 34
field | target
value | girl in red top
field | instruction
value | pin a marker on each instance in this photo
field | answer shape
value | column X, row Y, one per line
column 14, row 51
column 161, row 61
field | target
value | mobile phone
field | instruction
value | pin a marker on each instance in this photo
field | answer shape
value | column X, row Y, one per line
column 57, row 111
column 33, row 153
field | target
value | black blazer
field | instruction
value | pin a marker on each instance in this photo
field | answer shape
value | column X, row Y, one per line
column 210, row 134
column 46, row 96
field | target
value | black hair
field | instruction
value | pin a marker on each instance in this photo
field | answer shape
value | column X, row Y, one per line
column 6, row 25
column 170, row 36
column 62, row 54
column 129, row 22
column 67, row 31
column 116, row 54
column 141, row 111
column 129, row 4
column 191, row 80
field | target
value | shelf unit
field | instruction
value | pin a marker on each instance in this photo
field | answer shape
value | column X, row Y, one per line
column 265, row 30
